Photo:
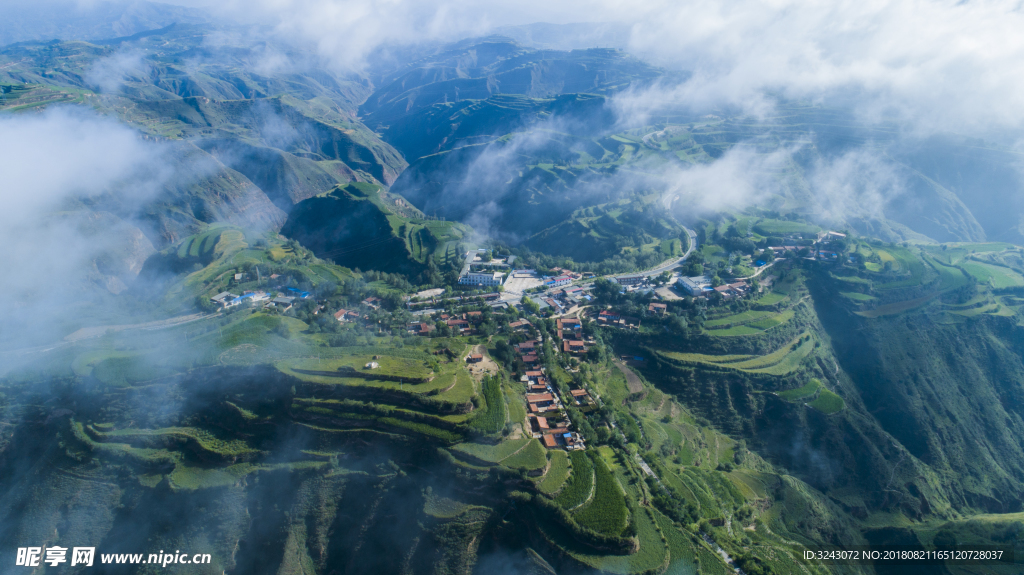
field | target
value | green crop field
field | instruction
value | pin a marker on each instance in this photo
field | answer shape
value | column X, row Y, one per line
column 204, row 439
column 790, row 361
column 801, row 393
column 738, row 319
column 493, row 453
column 771, row 298
column 606, row 512
column 903, row 261
column 581, row 481
column 353, row 365
column 492, row 419
column 828, row 402
column 896, row 307
column 775, row 357
column 516, row 403
column 950, row 277
column 857, row 296
column 769, row 227
column 702, row 358
column 996, row 276
column 780, row 362
column 533, row 456
column 682, row 549
column 463, row 390
column 557, row 473
column 737, row 331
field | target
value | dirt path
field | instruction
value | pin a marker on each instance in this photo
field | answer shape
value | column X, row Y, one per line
column 91, row 332
column 485, row 367
column 632, row 380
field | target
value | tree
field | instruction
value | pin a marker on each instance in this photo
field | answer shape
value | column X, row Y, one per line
column 205, row 305
column 530, row 306
column 282, row 330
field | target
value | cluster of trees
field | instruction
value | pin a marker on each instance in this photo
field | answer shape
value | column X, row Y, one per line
column 397, row 281
column 445, row 275
column 671, row 502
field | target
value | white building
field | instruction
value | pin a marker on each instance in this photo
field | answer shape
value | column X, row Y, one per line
column 483, row 279
column 630, row 280
column 223, row 298
column 695, row 285
column 558, row 281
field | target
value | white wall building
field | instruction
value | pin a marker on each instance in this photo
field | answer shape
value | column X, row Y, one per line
column 695, row 285
column 558, row 281
column 483, row 279
column 630, row 280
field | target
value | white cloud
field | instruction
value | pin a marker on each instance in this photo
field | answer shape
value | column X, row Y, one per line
column 109, row 74
column 943, row 65
column 55, row 165
column 65, row 153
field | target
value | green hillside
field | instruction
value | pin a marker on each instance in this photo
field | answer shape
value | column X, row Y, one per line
column 358, row 226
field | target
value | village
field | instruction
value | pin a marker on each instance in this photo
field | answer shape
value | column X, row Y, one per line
column 565, row 298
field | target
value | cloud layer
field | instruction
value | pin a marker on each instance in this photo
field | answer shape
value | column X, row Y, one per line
column 56, row 249
column 941, row 65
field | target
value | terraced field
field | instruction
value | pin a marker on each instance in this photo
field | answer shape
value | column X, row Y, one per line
column 828, row 402
column 897, row 307
column 771, row 298
column 751, row 322
column 995, row 276
column 558, row 472
column 780, row 362
column 737, row 319
column 577, row 490
column 804, row 392
column 857, row 296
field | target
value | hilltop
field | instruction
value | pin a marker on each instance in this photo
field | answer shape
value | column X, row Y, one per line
column 362, row 226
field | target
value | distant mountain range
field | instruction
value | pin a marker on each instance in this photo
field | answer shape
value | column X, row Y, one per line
column 89, row 21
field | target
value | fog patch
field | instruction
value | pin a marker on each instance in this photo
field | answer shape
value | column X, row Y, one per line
column 857, row 184
column 58, row 166
column 109, row 74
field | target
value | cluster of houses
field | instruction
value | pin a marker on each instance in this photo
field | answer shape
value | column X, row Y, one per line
column 346, row 315
column 614, row 319
column 282, row 302
column 228, row 299
column 547, row 418
column 570, row 331
column 520, row 325
column 528, row 352
column 461, row 324
column 564, row 299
